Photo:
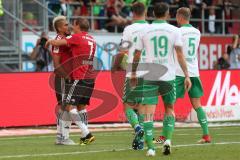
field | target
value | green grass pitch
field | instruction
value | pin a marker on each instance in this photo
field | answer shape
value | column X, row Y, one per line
column 116, row 146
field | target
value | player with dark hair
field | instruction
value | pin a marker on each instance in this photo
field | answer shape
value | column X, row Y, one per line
column 161, row 40
column 131, row 103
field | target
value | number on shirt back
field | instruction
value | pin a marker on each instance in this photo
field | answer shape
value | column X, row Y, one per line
column 91, row 49
column 160, row 46
column 191, row 45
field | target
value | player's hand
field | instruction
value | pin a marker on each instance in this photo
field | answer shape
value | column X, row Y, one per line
column 133, row 80
column 48, row 43
column 187, row 84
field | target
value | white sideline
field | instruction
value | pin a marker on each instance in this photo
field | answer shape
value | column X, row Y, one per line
column 99, row 151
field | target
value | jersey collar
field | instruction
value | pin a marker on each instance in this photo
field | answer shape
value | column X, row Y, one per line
column 140, row 21
column 159, row 21
column 186, row 25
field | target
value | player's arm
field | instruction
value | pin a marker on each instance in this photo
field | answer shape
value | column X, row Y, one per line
column 61, row 42
column 118, row 59
column 139, row 45
column 183, row 65
column 58, row 67
column 178, row 43
column 122, row 50
column 136, row 59
column 235, row 41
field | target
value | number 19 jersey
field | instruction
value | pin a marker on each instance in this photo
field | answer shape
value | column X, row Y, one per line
column 159, row 40
column 191, row 39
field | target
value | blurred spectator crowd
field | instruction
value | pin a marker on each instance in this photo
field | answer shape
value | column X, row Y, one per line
column 111, row 13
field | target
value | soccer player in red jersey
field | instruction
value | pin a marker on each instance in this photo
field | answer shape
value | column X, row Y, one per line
column 60, row 56
column 79, row 91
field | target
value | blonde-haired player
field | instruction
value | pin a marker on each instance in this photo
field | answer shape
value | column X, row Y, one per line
column 60, row 56
column 191, row 39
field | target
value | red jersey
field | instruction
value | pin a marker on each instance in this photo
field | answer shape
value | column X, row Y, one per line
column 63, row 51
column 83, row 48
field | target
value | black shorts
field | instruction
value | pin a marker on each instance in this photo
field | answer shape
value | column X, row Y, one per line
column 59, row 85
column 78, row 92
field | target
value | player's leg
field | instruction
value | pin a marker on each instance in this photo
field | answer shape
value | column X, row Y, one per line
column 66, row 125
column 82, row 111
column 129, row 102
column 140, row 116
column 132, row 116
column 130, row 99
column 168, row 128
column 59, row 136
column 169, row 118
column 180, row 91
column 72, row 110
column 63, row 125
column 58, row 90
column 169, row 100
column 71, row 100
column 148, row 111
column 138, row 141
column 85, row 89
column 195, row 93
column 202, row 119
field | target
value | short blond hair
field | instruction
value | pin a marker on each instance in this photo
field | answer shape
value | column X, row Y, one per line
column 184, row 12
column 57, row 21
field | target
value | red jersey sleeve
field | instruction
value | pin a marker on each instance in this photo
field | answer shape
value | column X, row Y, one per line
column 72, row 40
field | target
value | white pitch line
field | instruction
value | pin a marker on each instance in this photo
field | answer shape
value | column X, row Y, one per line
column 57, row 154
column 100, row 151
column 105, row 134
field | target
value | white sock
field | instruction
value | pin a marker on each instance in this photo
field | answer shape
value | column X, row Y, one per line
column 66, row 124
column 76, row 118
column 59, row 125
column 83, row 116
column 66, row 129
column 59, row 129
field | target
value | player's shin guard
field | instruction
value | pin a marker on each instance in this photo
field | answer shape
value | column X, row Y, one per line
column 76, row 118
column 132, row 117
column 83, row 115
column 148, row 132
column 202, row 119
column 168, row 126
